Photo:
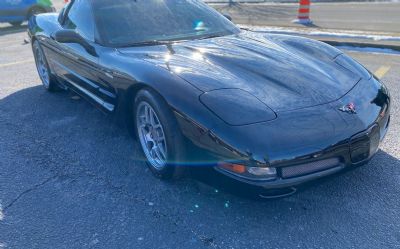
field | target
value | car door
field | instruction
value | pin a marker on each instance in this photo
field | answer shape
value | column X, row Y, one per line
column 13, row 10
column 75, row 64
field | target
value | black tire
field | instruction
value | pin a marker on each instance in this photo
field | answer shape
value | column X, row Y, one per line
column 52, row 84
column 16, row 24
column 35, row 11
column 174, row 139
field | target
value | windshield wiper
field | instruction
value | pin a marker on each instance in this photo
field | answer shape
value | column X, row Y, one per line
column 148, row 43
column 169, row 42
column 219, row 34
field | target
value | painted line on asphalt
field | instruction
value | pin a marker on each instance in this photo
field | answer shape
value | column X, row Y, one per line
column 15, row 63
column 8, row 45
column 382, row 71
column 6, row 42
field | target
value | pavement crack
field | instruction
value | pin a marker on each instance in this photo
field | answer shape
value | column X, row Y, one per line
column 33, row 188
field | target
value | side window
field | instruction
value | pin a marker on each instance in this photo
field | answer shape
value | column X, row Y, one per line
column 80, row 18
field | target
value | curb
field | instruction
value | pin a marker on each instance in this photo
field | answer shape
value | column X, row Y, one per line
column 360, row 44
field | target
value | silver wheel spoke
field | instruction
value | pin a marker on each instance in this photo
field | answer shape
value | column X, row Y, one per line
column 147, row 114
column 152, row 121
column 142, row 121
column 157, row 127
column 162, row 151
column 159, row 139
column 156, row 152
column 153, row 152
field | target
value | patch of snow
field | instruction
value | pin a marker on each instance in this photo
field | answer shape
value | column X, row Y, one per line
column 370, row 50
column 1, row 216
column 322, row 33
column 94, row 242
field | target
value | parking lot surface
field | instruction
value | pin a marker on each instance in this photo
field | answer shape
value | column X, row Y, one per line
column 71, row 178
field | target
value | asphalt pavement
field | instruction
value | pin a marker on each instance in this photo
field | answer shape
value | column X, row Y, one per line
column 70, row 177
column 375, row 17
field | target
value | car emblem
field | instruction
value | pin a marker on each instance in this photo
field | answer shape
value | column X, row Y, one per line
column 349, row 108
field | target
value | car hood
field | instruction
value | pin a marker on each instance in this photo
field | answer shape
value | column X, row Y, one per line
column 284, row 72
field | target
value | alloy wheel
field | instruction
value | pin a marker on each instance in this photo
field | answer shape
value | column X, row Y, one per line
column 42, row 67
column 151, row 135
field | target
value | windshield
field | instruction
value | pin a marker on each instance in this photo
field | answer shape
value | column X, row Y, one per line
column 130, row 22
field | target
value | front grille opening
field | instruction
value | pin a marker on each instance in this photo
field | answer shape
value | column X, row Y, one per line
column 309, row 168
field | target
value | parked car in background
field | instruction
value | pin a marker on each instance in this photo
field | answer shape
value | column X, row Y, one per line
column 16, row 12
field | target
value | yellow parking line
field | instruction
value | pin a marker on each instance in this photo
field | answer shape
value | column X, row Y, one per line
column 7, row 42
column 380, row 73
column 15, row 63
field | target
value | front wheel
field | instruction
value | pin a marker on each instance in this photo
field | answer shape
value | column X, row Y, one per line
column 159, row 136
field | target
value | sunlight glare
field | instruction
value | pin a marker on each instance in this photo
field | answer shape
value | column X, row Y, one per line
column 1, row 216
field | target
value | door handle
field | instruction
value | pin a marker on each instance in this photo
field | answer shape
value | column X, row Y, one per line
column 76, row 58
column 108, row 73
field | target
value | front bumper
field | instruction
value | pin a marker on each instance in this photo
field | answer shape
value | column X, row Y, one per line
column 280, row 183
column 349, row 154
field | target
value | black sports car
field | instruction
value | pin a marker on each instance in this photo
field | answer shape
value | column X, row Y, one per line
column 267, row 110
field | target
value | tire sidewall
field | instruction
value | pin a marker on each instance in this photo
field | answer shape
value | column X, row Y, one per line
column 35, row 11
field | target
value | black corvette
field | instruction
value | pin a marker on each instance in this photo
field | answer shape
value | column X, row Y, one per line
column 267, row 110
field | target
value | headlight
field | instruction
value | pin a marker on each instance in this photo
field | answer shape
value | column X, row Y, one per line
column 237, row 107
column 251, row 173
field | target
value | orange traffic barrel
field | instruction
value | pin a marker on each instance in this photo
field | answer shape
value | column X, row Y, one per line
column 303, row 16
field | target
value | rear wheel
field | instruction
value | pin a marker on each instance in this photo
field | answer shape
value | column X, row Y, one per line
column 160, row 138
column 16, row 24
column 48, row 80
column 35, row 11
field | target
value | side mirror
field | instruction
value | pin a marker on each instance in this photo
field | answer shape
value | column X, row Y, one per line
column 70, row 36
column 228, row 17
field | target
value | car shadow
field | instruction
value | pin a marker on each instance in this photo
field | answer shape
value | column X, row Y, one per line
column 7, row 30
column 65, row 105
column 62, row 134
